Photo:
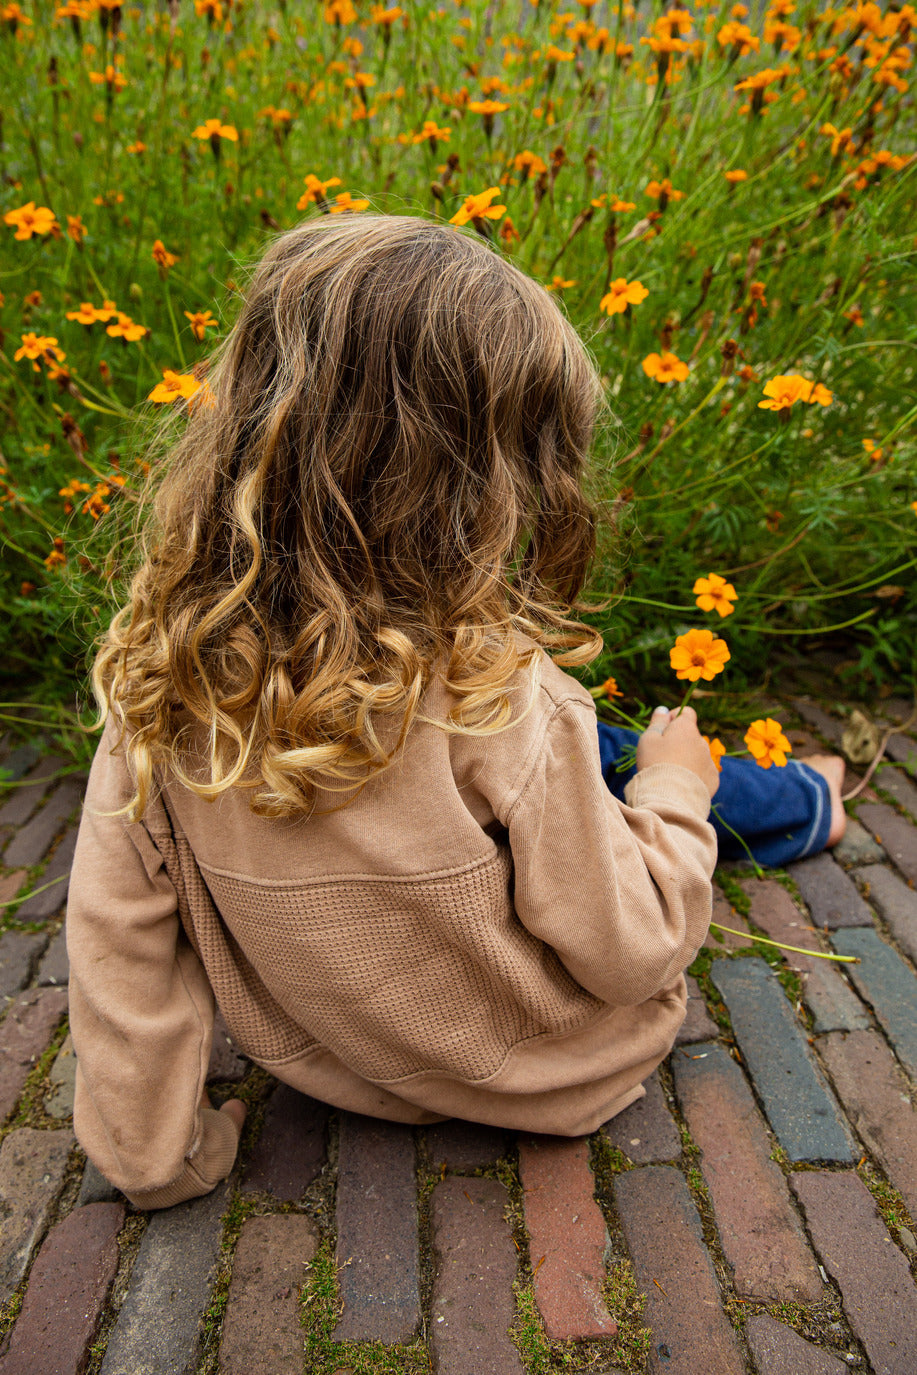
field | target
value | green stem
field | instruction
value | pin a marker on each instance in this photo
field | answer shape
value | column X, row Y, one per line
column 778, row 945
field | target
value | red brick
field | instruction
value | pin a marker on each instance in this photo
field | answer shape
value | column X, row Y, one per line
column 290, row 1152
column 778, row 1350
column 24, row 1034
column 31, row 844
column 698, row 1024
column 827, row 726
column 67, row 1289
column 873, row 1276
column 262, row 1334
column 897, row 834
column 473, row 1305
column 465, row 1146
column 758, row 1227
column 726, row 915
column 32, row 1168
column 377, row 1241
column 876, row 1096
column 646, row 1131
column 834, row 1005
column 829, row 893
column 10, row 885
column 673, row 1268
column 567, row 1236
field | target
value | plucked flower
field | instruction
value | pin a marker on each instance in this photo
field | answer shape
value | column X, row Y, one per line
column 698, row 654
column 766, row 741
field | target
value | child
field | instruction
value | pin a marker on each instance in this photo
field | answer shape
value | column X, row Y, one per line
column 342, row 787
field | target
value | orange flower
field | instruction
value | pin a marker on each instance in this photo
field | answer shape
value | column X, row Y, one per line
column 622, row 294
column 529, row 163
column 111, row 77
column 488, row 107
column 86, row 315
column 610, row 688
column 315, row 190
column 174, row 387
column 35, row 346
column 715, row 593
column 123, row 327
column 201, row 320
column 717, row 750
column 340, row 12
column 345, row 201
column 621, row 207
column 663, row 189
column 162, row 257
column 57, row 555
column 698, row 654
column 665, row 367
column 767, row 742
column 430, row 133
column 214, row 130
column 561, row 284
column 479, row 207
column 785, row 391
column 386, row 17
column 736, row 175
column 76, row 229
column 31, row 219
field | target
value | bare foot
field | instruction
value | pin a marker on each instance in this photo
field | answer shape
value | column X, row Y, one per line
column 832, row 769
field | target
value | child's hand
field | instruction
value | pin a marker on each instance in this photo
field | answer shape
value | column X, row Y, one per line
column 671, row 739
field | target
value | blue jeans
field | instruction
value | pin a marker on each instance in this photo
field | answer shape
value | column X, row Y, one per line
column 781, row 814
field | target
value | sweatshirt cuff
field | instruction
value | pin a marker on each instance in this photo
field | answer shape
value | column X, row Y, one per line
column 668, row 784
column 211, row 1162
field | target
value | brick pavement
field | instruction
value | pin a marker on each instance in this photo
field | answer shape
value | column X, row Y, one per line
column 752, row 1214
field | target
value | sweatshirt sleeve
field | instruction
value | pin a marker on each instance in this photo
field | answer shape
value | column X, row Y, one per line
column 621, row 892
column 141, row 1009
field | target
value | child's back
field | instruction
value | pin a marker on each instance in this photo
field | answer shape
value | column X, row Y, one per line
column 362, row 549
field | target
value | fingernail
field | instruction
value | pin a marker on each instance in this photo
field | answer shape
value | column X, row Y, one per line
column 660, row 711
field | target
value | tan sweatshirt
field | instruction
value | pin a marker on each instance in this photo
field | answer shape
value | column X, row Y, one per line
column 483, row 932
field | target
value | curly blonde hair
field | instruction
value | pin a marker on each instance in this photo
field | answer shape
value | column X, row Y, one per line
column 387, row 484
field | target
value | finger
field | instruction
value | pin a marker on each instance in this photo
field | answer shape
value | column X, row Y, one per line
column 659, row 719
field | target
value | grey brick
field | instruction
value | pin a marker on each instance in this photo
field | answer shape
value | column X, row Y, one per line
column 903, row 750
column 464, row 1146
column 53, row 882
column 886, row 982
column 158, row 1331
column 896, row 833
column 377, row 1231
column 857, row 846
column 22, row 800
column 872, row 1274
column 778, row 1350
column 59, row 1100
column 894, row 901
column 19, row 954
column 888, row 779
column 798, row 1103
column 646, row 1131
column 829, row 893
column 31, row 843
column 290, row 1151
column 472, row 1289
column 18, row 762
column 673, row 1268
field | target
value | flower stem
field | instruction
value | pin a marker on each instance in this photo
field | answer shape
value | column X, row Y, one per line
column 796, row 949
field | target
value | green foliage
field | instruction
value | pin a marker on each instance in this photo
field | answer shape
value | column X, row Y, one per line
column 804, row 267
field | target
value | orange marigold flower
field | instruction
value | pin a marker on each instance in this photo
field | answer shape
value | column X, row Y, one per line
column 529, row 163
column 715, row 594
column 31, row 219
column 665, row 367
column 345, row 202
column 658, row 189
column 123, row 327
column 766, row 741
column 561, row 284
column 57, row 555
column 478, row 207
column 162, row 257
column 201, row 320
column 111, row 77
column 86, row 315
column 136, row 148
column 430, row 132
column 488, row 107
column 212, row 129
column 698, row 654
column 610, row 688
column 76, row 229
column 386, row 17
column 736, row 175
column 621, row 207
column 784, row 391
column 622, row 294
column 717, row 750
column 315, row 190
column 340, row 12
column 174, row 386
column 34, row 346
